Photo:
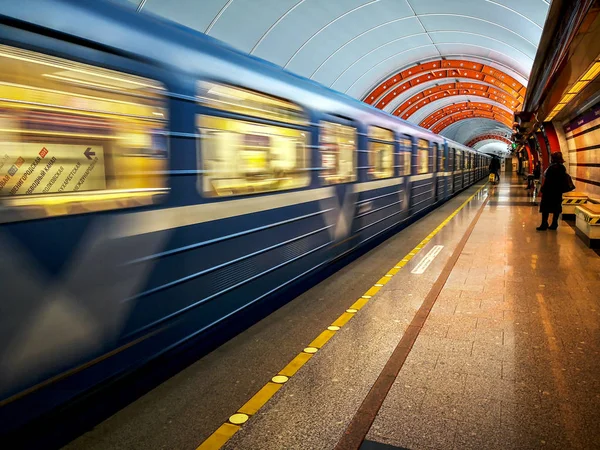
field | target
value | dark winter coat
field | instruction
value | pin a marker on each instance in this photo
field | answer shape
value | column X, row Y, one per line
column 552, row 189
column 494, row 165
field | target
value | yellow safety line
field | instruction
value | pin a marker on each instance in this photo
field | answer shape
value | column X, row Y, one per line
column 220, row 437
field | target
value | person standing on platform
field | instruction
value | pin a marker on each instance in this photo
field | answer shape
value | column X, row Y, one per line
column 552, row 191
column 495, row 168
column 537, row 172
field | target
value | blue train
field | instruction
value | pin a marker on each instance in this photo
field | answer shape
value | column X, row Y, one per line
column 155, row 183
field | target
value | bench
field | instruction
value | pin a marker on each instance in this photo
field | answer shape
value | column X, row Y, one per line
column 588, row 224
column 570, row 201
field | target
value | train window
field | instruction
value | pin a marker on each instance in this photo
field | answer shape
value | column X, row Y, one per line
column 243, row 157
column 241, row 101
column 441, row 158
column 77, row 138
column 338, row 153
column 381, row 153
column 423, row 156
column 405, row 145
column 458, row 160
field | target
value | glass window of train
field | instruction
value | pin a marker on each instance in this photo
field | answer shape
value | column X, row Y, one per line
column 242, row 101
column 423, row 156
column 241, row 157
column 381, row 153
column 78, row 138
column 441, row 160
column 405, row 145
column 338, row 153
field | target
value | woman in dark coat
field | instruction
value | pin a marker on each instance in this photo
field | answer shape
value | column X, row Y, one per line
column 552, row 192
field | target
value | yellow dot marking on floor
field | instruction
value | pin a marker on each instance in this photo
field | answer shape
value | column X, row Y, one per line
column 220, row 437
column 238, row 419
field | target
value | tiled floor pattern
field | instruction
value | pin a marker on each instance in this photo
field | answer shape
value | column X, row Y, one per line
column 510, row 355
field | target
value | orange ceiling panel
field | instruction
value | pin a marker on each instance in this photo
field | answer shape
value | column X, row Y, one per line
column 486, row 109
column 440, row 69
column 487, row 137
column 464, row 115
column 413, row 104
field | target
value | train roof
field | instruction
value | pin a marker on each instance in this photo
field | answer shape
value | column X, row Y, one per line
column 188, row 51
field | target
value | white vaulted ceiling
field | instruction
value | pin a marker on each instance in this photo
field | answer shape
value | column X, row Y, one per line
column 352, row 45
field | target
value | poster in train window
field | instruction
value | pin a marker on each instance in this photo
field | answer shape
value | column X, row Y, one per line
column 241, row 157
column 36, row 168
column 67, row 127
column 381, row 153
column 338, row 153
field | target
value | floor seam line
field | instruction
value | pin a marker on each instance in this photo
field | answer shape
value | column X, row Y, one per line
column 364, row 417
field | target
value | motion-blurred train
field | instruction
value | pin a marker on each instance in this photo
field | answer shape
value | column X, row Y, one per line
column 155, row 182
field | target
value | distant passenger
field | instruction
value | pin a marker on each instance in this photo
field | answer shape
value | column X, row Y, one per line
column 552, row 191
column 537, row 171
column 495, row 168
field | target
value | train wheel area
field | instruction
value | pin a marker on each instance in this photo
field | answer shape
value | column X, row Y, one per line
column 430, row 340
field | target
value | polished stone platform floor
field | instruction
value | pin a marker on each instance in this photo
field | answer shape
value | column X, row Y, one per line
column 510, row 357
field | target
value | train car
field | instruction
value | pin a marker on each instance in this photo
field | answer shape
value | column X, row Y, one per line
column 155, row 182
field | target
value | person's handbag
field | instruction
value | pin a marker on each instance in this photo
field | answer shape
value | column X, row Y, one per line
column 568, row 184
column 492, row 178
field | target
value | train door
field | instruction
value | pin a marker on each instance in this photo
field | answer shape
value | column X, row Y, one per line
column 338, row 153
column 405, row 152
column 451, row 167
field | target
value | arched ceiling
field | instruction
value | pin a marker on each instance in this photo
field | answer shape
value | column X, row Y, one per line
column 354, row 46
column 494, row 147
column 483, row 139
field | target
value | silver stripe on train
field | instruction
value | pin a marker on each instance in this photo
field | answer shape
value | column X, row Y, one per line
column 165, row 219
column 370, row 185
column 425, row 176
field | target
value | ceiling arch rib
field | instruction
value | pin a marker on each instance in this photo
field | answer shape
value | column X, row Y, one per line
column 422, row 73
column 447, row 91
column 469, row 114
column 488, row 137
column 465, row 130
column 425, row 87
column 441, row 113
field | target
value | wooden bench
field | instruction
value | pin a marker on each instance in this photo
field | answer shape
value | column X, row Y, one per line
column 588, row 224
column 570, row 201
